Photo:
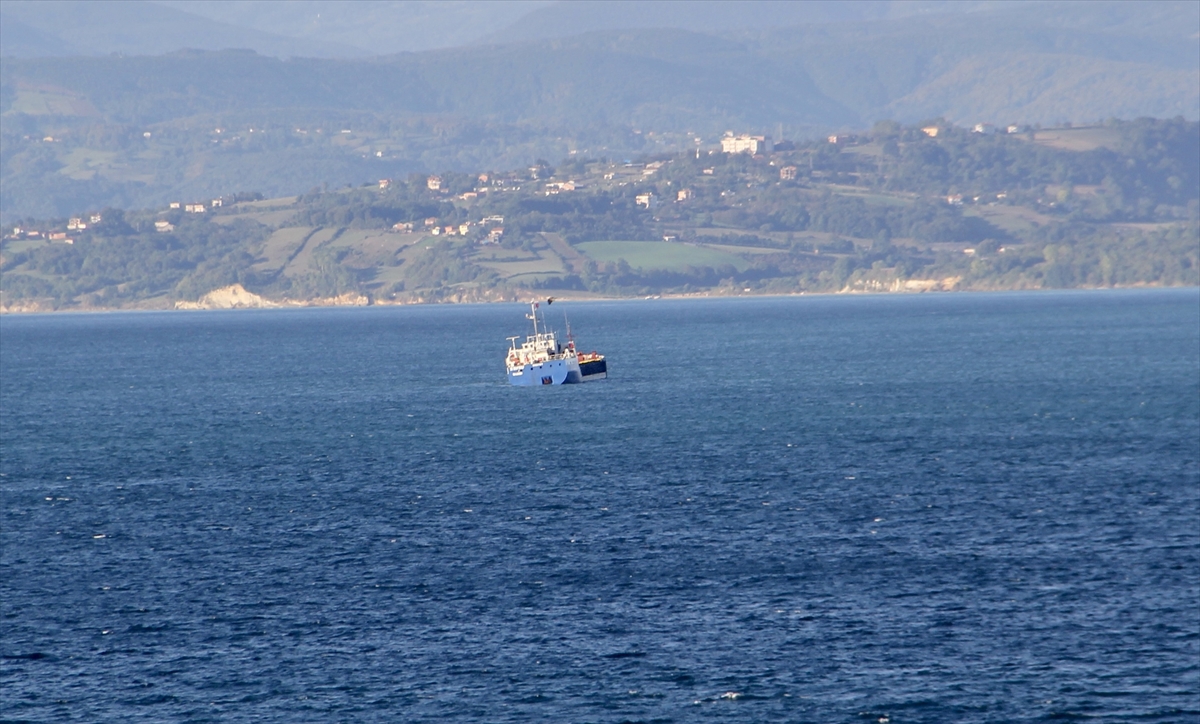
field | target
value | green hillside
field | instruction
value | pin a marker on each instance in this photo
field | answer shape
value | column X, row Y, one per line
column 892, row 210
column 662, row 255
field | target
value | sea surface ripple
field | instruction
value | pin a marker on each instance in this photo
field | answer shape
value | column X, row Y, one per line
column 933, row 508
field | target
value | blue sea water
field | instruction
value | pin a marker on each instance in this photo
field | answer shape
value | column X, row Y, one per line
column 934, row 508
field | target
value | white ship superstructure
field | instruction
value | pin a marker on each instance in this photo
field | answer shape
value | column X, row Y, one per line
column 542, row 359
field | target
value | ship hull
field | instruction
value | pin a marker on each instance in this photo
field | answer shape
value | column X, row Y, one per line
column 593, row 370
column 550, row 372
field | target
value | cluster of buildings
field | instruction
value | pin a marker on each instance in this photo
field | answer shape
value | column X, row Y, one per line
column 649, row 201
column 983, row 128
column 197, row 208
column 81, row 223
column 556, row 187
column 163, row 226
column 988, row 129
column 487, row 182
column 487, row 230
column 437, row 183
column 957, row 199
column 75, row 223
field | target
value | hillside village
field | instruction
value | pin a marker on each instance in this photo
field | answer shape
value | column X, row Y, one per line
column 919, row 208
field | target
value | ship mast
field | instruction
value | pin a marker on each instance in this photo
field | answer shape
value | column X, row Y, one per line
column 533, row 315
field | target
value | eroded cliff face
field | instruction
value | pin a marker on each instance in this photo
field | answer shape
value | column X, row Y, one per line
column 232, row 297
column 27, row 306
column 236, row 296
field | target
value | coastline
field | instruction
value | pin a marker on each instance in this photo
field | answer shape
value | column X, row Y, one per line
column 524, row 297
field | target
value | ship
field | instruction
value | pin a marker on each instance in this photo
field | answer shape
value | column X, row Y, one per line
column 542, row 359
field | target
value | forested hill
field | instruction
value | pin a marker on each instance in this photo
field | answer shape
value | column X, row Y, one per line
column 139, row 130
column 901, row 208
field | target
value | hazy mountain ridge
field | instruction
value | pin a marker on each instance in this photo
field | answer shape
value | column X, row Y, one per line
column 814, row 75
column 608, row 93
column 1044, row 85
column 380, row 27
column 575, row 17
column 77, row 27
column 882, row 69
column 354, row 28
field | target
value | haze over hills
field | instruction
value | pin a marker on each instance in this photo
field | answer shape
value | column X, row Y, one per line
column 355, row 28
column 139, row 130
column 574, row 17
column 34, row 28
column 380, row 27
column 562, row 120
column 1035, row 64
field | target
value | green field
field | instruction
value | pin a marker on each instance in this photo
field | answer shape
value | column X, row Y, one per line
column 303, row 261
column 1078, row 139
column 16, row 246
column 281, row 245
column 82, row 164
column 666, row 255
column 871, row 198
column 47, row 102
column 275, row 218
column 511, row 269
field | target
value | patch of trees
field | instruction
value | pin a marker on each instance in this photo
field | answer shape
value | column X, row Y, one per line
column 119, row 262
column 1152, row 171
column 793, row 210
column 363, row 209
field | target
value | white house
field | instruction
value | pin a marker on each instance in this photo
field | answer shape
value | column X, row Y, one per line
column 745, row 143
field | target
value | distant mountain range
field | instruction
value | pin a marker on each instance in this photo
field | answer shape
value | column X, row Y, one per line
column 32, row 29
column 1033, row 62
column 529, row 84
column 358, row 28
